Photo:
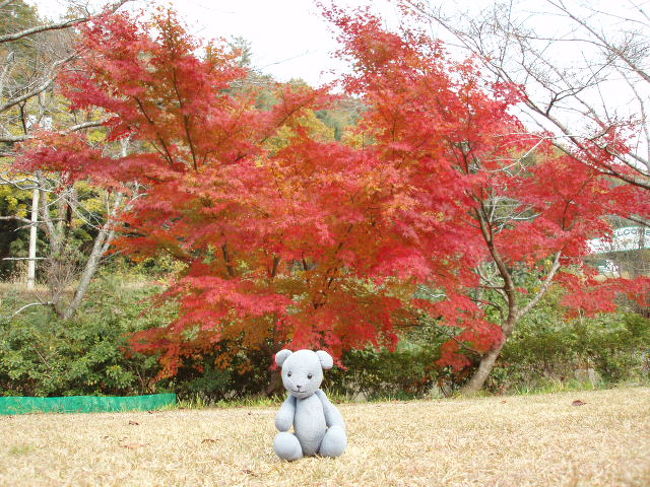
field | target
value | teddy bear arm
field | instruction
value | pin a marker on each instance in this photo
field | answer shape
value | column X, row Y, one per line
column 332, row 415
column 286, row 414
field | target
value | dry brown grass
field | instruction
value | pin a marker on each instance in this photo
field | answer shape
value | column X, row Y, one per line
column 539, row 440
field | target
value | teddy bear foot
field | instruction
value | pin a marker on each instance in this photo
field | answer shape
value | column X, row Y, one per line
column 287, row 446
column 334, row 442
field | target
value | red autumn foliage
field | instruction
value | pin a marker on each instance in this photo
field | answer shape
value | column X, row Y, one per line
column 454, row 140
column 321, row 243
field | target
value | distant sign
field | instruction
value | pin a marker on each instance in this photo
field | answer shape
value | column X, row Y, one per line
column 626, row 238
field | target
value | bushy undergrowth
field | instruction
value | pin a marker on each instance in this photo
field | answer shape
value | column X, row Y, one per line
column 594, row 352
column 44, row 356
column 408, row 372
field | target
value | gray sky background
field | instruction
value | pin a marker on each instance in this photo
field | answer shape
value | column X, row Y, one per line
column 289, row 37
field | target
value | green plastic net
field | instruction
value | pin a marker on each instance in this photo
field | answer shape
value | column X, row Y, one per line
column 84, row 404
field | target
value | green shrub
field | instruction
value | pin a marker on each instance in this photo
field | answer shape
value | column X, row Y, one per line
column 605, row 349
column 249, row 374
column 42, row 355
column 408, row 372
column 371, row 374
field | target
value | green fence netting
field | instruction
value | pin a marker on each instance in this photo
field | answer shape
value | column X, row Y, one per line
column 84, row 404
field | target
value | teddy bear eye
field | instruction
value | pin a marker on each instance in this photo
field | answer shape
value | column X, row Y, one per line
column 309, row 376
column 288, row 374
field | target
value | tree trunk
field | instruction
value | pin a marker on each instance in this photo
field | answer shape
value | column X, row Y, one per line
column 100, row 247
column 31, row 263
column 102, row 241
column 475, row 384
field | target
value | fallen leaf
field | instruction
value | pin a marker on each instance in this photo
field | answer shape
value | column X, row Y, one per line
column 578, row 402
column 208, row 440
column 133, row 423
column 132, row 446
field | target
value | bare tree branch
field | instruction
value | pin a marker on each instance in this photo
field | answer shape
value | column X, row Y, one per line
column 74, row 128
column 546, row 284
column 39, row 89
column 41, row 28
column 27, row 306
column 23, row 258
column 57, row 25
column 16, row 218
column 574, row 100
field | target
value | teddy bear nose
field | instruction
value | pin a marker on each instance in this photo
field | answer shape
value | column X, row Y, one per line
column 299, row 386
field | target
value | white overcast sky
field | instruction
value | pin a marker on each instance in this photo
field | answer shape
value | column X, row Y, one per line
column 289, row 38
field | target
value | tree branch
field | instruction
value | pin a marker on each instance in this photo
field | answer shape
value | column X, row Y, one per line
column 545, row 286
column 20, row 138
column 14, row 36
column 23, row 308
column 15, row 217
column 39, row 89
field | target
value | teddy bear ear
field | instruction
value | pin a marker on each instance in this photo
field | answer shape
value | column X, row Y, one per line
column 326, row 360
column 281, row 356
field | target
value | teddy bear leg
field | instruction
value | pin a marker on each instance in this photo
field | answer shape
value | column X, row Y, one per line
column 334, row 442
column 287, row 446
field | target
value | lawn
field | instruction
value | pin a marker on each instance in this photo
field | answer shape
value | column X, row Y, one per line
column 536, row 440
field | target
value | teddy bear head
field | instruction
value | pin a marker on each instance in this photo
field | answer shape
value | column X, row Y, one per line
column 302, row 371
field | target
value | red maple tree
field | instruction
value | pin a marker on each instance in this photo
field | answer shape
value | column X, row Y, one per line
column 322, row 243
column 516, row 205
column 278, row 244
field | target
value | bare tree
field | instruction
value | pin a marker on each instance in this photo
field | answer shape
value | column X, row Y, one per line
column 82, row 9
column 32, row 53
column 584, row 68
column 30, row 59
column 69, row 270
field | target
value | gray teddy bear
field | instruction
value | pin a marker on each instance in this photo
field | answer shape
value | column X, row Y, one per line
column 318, row 426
